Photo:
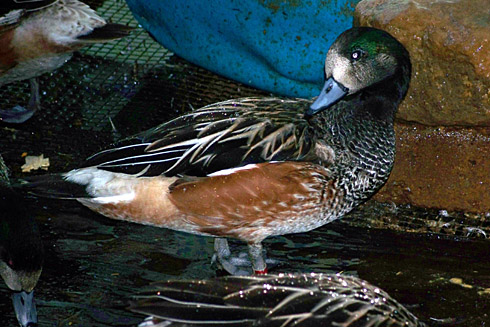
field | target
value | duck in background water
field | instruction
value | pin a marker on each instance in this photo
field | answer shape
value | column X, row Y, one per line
column 270, row 301
column 257, row 167
column 39, row 36
column 21, row 250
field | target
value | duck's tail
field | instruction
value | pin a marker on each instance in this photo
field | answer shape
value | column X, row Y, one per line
column 106, row 33
column 83, row 25
column 54, row 186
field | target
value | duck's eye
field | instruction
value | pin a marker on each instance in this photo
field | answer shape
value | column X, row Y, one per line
column 357, row 54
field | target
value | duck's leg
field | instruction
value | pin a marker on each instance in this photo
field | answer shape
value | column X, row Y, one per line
column 255, row 250
column 233, row 265
column 19, row 114
column 241, row 264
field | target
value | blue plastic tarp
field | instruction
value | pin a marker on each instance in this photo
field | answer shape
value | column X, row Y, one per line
column 277, row 46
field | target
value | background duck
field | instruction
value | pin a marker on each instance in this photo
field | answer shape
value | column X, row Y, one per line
column 257, row 167
column 272, row 300
column 37, row 37
column 21, row 250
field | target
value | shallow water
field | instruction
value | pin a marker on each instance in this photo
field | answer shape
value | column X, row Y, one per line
column 94, row 265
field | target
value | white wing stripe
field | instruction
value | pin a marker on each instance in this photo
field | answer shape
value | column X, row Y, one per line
column 113, row 163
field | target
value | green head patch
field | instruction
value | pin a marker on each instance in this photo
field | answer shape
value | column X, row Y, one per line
column 373, row 41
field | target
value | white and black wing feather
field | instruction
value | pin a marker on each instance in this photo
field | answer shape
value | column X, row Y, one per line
column 219, row 136
column 269, row 301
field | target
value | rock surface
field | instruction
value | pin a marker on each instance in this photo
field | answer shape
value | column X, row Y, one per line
column 440, row 167
column 443, row 128
column 449, row 43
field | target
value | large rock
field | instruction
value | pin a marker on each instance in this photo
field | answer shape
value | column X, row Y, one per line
column 440, row 167
column 443, row 160
column 449, row 43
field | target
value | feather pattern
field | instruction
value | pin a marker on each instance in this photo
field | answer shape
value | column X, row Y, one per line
column 219, row 136
column 274, row 300
column 12, row 10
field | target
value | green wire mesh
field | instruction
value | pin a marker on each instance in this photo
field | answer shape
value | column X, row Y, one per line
column 107, row 91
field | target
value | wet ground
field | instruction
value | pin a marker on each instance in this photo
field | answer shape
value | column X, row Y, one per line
column 94, row 265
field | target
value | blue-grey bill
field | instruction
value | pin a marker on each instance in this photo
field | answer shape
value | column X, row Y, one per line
column 25, row 308
column 331, row 92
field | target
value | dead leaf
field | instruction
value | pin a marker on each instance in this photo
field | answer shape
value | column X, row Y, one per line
column 34, row 163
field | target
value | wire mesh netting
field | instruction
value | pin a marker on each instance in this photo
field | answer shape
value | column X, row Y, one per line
column 129, row 84
column 115, row 89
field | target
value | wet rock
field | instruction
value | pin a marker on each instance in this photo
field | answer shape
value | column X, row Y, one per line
column 440, row 167
column 449, row 42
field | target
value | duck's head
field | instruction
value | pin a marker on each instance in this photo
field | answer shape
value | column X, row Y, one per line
column 21, row 254
column 360, row 59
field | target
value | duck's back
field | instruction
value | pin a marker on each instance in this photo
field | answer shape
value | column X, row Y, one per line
column 220, row 136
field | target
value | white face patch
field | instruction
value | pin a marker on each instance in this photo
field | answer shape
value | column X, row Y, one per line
column 346, row 74
column 341, row 69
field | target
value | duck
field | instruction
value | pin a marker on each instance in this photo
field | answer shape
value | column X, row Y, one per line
column 21, row 250
column 37, row 37
column 256, row 167
column 271, row 300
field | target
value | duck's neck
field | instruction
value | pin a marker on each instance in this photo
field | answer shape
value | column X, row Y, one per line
column 380, row 101
column 360, row 130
